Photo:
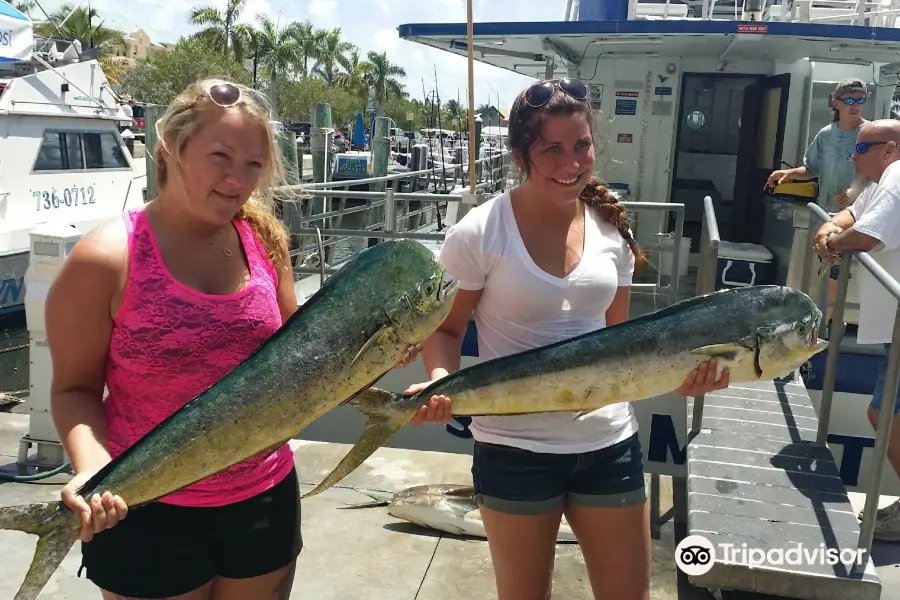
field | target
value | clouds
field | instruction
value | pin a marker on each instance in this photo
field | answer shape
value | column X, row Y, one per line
column 369, row 24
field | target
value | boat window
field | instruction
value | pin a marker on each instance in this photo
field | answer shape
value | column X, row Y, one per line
column 72, row 150
column 696, row 119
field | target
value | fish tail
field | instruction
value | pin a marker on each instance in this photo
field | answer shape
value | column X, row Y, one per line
column 387, row 413
column 57, row 529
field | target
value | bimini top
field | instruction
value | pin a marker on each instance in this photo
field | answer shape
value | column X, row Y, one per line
column 524, row 46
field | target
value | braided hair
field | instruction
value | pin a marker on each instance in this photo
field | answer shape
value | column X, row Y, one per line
column 596, row 196
column 525, row 124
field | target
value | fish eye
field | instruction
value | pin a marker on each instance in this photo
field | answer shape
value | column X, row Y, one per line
column 429, row 289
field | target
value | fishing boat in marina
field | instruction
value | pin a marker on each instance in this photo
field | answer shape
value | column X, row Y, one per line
column 62, row 158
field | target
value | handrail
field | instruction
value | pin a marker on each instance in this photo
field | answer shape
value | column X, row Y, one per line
column 384, row 178
column 892, row 378
column 706, row 283
column 388, row 231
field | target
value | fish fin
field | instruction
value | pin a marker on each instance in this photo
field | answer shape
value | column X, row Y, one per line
column 387, row 413
column 372, row 341
column 57, row 529
column 366, row 505
column 722, row 351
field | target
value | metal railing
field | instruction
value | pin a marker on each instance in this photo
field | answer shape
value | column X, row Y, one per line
column 311, row 210
column 885, row 418
column 390, row 230
column 873, row 13
column 706, row 283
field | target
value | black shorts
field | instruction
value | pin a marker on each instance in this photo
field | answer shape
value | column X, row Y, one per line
column 517, row 481
column 163, row 550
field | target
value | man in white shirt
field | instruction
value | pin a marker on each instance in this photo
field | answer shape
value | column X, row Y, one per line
column 872, row 224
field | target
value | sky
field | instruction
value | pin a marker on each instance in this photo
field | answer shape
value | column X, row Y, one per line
column 370, row 24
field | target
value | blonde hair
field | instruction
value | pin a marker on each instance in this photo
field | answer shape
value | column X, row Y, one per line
column 185, row 117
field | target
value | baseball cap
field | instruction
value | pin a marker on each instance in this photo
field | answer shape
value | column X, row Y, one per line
column 849, row 86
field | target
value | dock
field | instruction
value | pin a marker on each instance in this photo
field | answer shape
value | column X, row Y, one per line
column 377, row 556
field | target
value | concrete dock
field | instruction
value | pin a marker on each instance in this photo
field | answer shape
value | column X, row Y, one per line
column 348, row 554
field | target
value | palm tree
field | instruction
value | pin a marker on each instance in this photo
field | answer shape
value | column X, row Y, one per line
column 279, row 50
column 68, row 24
column 222, row 29
column 25, row 6
column 354, row 80
column 310, row 43
column 332, row 52
column 382, row 79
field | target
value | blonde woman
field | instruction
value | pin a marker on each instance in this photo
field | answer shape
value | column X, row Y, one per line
column 156, row 306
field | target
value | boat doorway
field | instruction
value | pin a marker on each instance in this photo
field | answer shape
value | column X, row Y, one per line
column 723, row 151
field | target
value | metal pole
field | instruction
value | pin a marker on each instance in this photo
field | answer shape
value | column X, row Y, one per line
column 834, row 348
column 882, row 438
column 470, row 42
column 390, row 211
column 676, row 259
column 807, row 251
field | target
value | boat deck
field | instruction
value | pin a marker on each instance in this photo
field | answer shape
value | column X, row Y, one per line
column 377, row 556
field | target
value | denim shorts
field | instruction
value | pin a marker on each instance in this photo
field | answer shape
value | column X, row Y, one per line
column 881, row 375
column 517, row 481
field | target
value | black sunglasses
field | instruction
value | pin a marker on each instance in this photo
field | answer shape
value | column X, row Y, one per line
column 540, row 93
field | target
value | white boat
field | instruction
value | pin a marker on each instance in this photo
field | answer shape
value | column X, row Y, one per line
column 62, row 159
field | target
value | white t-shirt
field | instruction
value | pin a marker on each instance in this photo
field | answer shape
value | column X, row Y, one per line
column 877, row 213
column 523, row 307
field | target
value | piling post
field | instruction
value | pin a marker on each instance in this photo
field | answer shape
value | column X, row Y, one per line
column 381, row 154
column 152, row 114
column 320, row 136
column 287, row 143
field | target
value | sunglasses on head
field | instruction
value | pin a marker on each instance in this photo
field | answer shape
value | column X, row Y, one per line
column 852, row 101
column 540, row 93
column 227, row 95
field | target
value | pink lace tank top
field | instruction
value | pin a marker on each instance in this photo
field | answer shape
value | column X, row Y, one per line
column 170, row 342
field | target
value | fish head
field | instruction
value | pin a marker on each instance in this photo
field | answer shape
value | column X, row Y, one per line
column 418, row 312
column 788, row 332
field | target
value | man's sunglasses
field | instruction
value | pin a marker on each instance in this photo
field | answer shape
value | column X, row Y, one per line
column 540, row 93
column 852, row 101
column 862, row 147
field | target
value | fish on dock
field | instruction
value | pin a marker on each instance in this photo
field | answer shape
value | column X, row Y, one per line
column 444, row 507
column 757, row 332
column 342, row 340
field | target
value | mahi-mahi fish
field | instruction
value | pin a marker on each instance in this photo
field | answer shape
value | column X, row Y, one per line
column 757, row 332
column 444, row 507
column 342, row 340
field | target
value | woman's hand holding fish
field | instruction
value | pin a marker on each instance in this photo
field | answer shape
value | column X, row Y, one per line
column 103, row 511
column 436, row 411
column 409, row 355
column 703, row 380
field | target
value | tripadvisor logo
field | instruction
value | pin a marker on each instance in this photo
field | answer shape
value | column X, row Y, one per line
column 695, row 555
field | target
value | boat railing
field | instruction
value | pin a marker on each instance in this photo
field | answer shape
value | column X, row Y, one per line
column 708, row 256
column 835, row 334
column 872, row 13
column 390, row 228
